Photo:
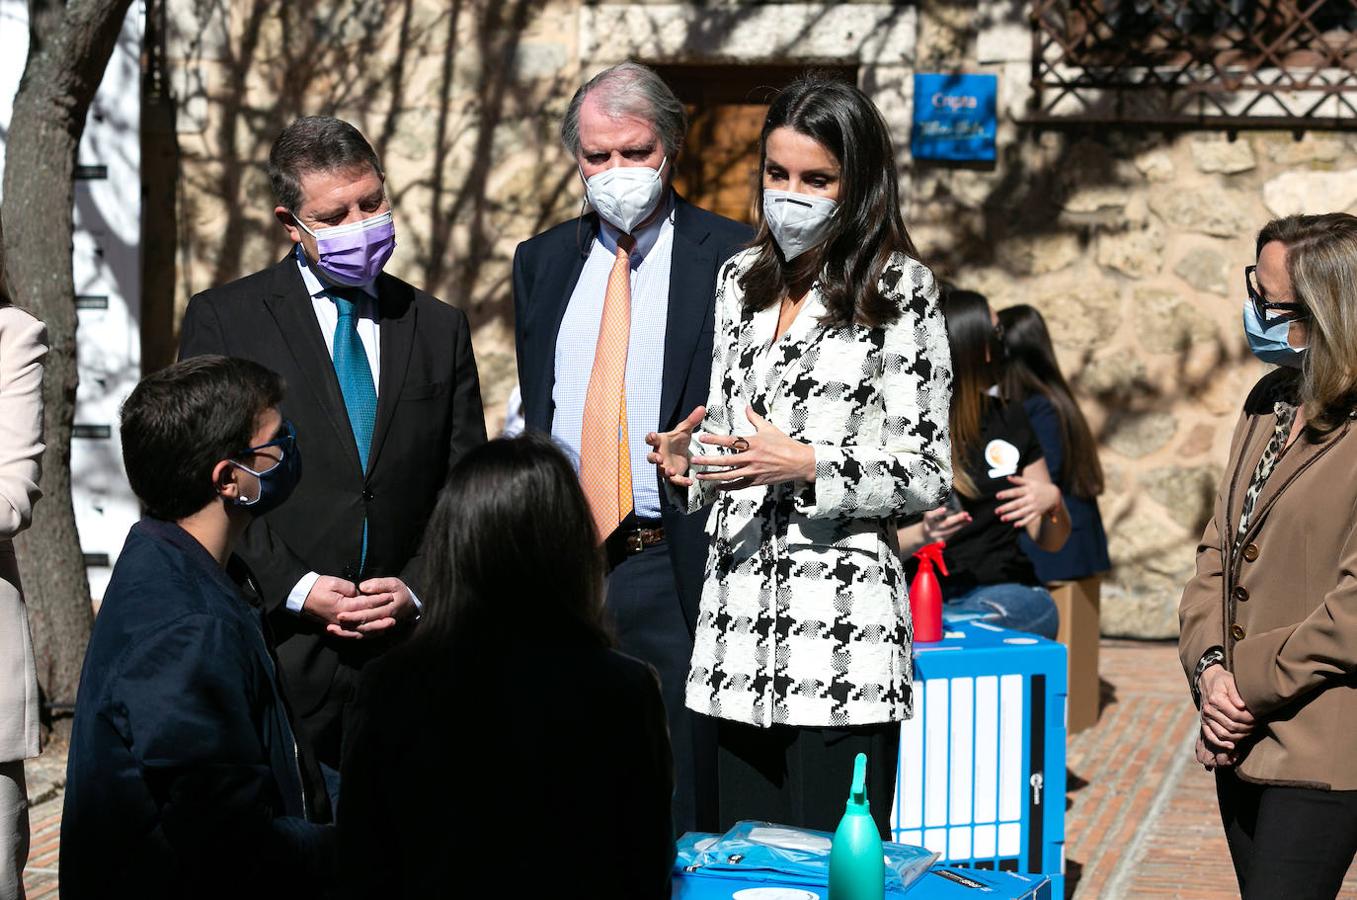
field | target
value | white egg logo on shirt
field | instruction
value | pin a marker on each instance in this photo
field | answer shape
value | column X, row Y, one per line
column 1002, row 457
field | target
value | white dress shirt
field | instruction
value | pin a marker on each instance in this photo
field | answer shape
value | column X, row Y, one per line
column 369, row 332
column 577, row 342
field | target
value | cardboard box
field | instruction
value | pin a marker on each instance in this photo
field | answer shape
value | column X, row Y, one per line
column 1079, row 605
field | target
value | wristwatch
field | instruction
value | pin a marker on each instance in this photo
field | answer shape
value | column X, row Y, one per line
column 1212, row 657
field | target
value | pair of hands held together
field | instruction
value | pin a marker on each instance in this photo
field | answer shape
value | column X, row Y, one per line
column 1225, row 720
column 766, row 457
column 355, row 611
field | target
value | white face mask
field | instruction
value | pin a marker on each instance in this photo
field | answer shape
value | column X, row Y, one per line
column 625, row 196
column 798, row 221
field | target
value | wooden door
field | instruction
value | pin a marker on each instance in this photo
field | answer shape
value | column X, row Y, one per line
column 727, row 105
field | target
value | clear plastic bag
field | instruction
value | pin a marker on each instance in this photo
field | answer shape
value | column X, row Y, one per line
column 798, row 855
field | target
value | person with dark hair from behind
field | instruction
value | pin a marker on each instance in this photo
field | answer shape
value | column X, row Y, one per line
column 1031, row 376
column 534, row 737
column 1002, row 487
column 183, row 778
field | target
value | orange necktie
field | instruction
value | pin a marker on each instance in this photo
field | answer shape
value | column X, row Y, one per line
column 605, row 456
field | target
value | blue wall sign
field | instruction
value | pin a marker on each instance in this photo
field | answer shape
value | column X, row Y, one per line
column 954, row 117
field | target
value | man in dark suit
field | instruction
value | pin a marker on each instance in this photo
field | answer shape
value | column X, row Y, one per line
column 384, row 395
column 614, row 320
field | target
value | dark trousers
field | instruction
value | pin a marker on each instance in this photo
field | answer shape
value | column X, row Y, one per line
column 800, row 776
column 320, row 743
column 1289, row 842
column 647, row 617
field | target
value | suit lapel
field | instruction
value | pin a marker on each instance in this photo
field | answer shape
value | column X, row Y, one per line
column 1298, row 457
column 790, row 350
column 558, row 284
column 290, row 306
column 396, row 325
column 691, row 287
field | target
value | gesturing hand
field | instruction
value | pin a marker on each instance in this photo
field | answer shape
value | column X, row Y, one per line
column 673, row 453
column 941, row 523
column 766, row 457
column 1027, row 502
column 1225, row 718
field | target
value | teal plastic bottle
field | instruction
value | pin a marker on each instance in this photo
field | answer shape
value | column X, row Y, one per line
column 857, row 866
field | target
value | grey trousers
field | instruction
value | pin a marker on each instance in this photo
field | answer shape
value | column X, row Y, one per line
column 13, row 830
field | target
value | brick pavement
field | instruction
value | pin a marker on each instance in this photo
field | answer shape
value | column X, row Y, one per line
column 1142, row 818
column 1142, row 815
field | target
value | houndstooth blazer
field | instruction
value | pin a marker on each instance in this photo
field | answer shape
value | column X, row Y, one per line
column 804, row 617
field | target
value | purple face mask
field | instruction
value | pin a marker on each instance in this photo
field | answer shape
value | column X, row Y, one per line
column 353, row 254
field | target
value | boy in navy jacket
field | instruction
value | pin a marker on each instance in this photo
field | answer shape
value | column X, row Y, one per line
column 184, row 778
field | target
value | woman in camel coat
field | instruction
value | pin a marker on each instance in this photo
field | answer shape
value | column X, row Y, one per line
column 1269, row 622
column 23, row 343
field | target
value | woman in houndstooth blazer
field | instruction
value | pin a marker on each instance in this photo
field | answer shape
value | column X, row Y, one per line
column 826, row 419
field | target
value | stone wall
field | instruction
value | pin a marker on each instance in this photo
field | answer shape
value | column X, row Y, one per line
column 1133, row 244
column 461, row 100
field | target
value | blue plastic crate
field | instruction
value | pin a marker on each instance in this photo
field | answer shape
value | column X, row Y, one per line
column 982, row 763
column 941, row 883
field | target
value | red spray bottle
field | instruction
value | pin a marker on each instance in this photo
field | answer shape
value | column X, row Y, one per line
column 925, row 594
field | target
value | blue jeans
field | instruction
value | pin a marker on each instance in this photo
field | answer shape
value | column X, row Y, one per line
column 1020, row 607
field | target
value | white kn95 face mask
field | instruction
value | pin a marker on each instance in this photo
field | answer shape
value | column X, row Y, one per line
column 798, row 221
column 625, row 196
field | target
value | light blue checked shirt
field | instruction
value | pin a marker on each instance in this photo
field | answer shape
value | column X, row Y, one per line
column 578, row 338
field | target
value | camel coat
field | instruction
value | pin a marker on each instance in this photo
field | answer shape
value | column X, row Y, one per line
column 23, row 343
column 1282, row 602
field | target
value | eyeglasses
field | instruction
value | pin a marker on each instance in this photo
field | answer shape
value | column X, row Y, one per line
column 1285, row 312
column 286, row 442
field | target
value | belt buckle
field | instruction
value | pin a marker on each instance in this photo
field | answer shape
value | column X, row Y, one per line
column 635, row 544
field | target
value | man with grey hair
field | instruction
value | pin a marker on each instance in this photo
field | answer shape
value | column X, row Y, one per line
column 614, row 320
column 383, row 392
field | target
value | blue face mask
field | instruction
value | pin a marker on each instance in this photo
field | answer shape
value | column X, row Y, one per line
column 1269, row 342
column 277, row 482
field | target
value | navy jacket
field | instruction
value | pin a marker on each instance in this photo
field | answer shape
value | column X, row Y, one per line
column 546, row 270
column 183, row 778
column 1085, row 553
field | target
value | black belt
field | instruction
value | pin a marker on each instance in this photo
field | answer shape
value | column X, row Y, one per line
column 631, row 537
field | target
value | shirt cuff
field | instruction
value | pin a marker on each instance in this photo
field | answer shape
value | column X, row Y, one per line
column 297, row 599
column 1214, row 656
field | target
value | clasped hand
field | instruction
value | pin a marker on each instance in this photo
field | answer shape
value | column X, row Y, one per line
column 1027, row 502
column 766, row 457
column 355, row 610
column 1225, row 720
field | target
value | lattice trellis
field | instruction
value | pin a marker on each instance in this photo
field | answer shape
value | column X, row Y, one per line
column 1213, row 63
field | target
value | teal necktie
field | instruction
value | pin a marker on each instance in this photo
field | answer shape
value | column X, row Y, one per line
column 355, row 383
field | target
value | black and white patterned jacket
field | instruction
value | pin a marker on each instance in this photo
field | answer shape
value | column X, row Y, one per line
column 804, row 617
